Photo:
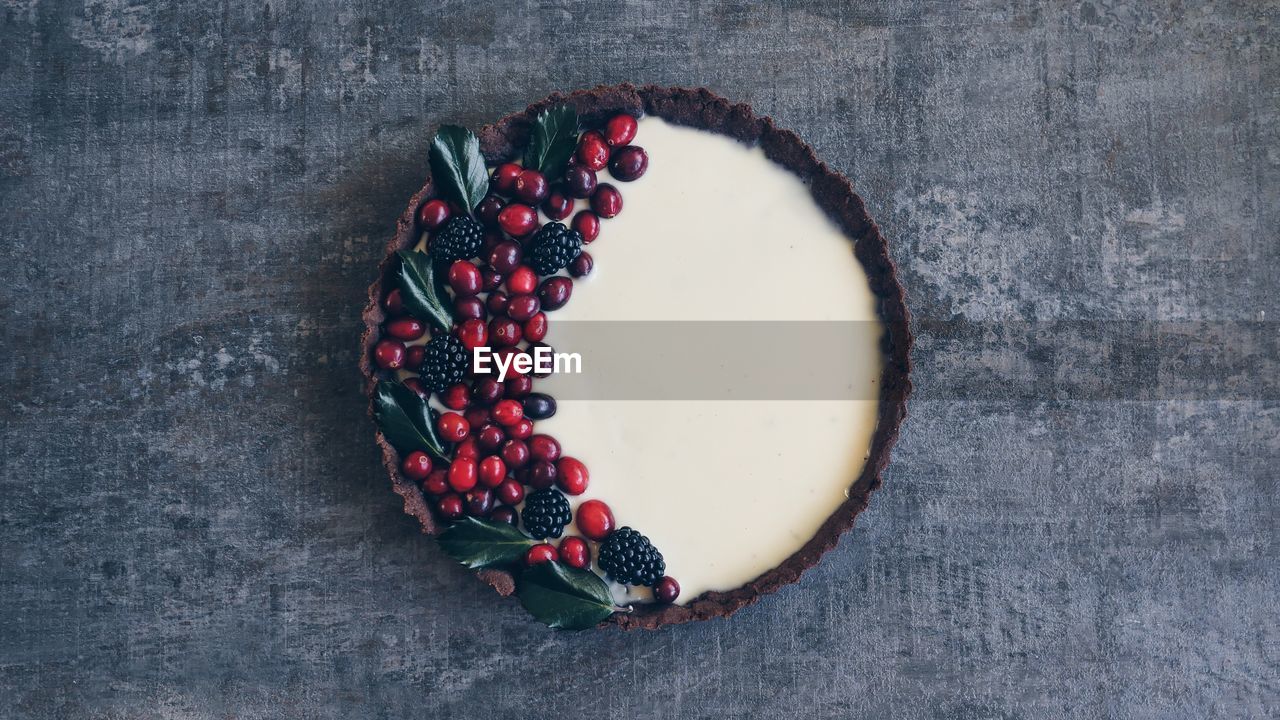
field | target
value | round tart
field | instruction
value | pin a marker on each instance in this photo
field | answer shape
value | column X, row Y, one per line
column 585, row 212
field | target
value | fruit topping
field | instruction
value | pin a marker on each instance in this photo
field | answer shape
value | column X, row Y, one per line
column 517, row 219
column 539, row 406
column 572, row 476
column 554, row 293
column 606, row 201
column 459, row 239
column 545, row 514
column 416, row 466
column 389, row 354
column 666, row 590
column 593, row 150
column 628, row 557
column 531, row 187
column 540, row 553
column 595, row 520
column 575, row 552
column 581, row 265
column 580, row 181
column 620, row 130
column 588, row 224
column 445, row 363
column 553, row 247
column 433, row 214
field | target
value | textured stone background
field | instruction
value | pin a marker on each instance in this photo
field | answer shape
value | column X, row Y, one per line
column 193, row 523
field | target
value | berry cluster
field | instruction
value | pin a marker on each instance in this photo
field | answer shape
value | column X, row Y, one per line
column 502, row 271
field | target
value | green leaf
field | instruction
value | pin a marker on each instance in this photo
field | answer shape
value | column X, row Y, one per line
column 564, row 597
column 421, row 290
column 405, row 419
column 483, row 543
column 552, row 139
column 458, row 167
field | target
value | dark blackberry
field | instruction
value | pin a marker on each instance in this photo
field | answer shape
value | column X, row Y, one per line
column 628, row 557
column 459, row 239
column 445, row 362
column 552, row 248
column 545, row 513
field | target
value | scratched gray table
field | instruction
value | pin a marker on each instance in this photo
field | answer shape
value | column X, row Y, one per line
column 193, row 523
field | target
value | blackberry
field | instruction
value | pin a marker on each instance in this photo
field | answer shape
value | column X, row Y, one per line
column 545, row 513
column 444, row 362
column 628, row 557
column 459, row 239
column 553, row 248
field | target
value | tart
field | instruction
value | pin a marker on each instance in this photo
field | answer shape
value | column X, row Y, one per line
column 566, row 221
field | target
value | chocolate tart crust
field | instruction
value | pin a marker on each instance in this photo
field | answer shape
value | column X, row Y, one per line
column 700, row 108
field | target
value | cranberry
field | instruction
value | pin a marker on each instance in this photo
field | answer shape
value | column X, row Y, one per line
column 555, row 292
column 450, row 507
column 413, row 357
column 544, row 447
column 575, row 553
column 540, row 553
column 433, row 214
column 504, row 332
column 437, row 483
column 588, row 224
column 453, row 427
column 464, row 278
column 539, row 406
column 522, row 307
column 521, row 430
column 515, row 453
column 456, row 397
column 542, row 474
column 393, row 303
column 416, row 465
column 558, row 205
column 486, row 390
column 479, row 502
column 468, row 308
column 504, row 177
column 497, row 302
column 490, row 437
column 507, row 412
column 406, row 328
column 506, row 256
column 510, row 492
column 462, row 474
column 517, row 220
column 413, row 383
column 593, row 151
column 535, row 328
column 572, row 476
column 579, row 181
column 666, row 590
column 595, row 520
column 522, row 281
column 490, row 279
column 473, row 333
column 606, row 201
column 581, row 265
column 518, row 387
column 504, row 513
column 531, row 187
column 629, row 163
column 389, row 354
column 620, row 130
column 488, row 209
column 492, row 471
column 467, row 448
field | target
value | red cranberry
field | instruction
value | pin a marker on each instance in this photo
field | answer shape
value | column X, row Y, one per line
column 507, row 412
column 510, row 491
column 515, row 453
column 581, row 265
column 506, row 257
column 406, row 328
column 490, row 437
column 456, row 397
column 518, row 387
column 535, row 328
column 544, row 447
column 558, row 205
column 504, row 177
column 413, row 383
column 492, row 471
column 497, row 302
column 433, row 214
column 540, row 553
column 477, row 417
column 666, row 590
column 488, row 209
column 468, row 308
column 539, row 406
column 486, row 390
column 531, row 187
column 389, row 354
column 464, row 277
column 473, row 333
column 542, row 474
column 579, row 181
column 575, row 552
column 620, row 130
column 504, row 332
column 555, row 292
column 521, row 430
column 416, row 465
column 467, row 448
column 413, row 357
column 450, row 507
column 522, row 307
column 504, row 513
column 593, row 151
column 517, row 220
column 437, row 483
column 453, row 427
column 629, row 163
column 572, row 476
column 595, row 520
column 462, row 474
column 479, row 502
column 490, row 279
column 393, row 303
column 522, row 281
column 588, row 224
column 606, row 201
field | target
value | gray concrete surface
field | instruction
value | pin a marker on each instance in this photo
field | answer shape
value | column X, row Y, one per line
column 193, row 523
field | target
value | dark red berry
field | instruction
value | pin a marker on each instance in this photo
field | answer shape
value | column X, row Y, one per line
column 488, row 209
column 555, row 292
column 581, row 265
column 462, row 474
column 510, row 492
column 406, row 328
column 522, row 307
column 539, row 406
column 389, row 354
column 572, row 476
column 515, row 453
column 518, row 220
column 579, row 181
column 491, row 471
column 606, row 201
column 518, row 387
column 497, row 302
column 490, row 279
column 558, row 205
column 593, row 151
column 486, row 390
column 535, row 328
column 453, row 427
column 595, row 520
column 456, row 397
column 666, row 590
column 544, row 447
column 587, row 224
column 464, row 278
column 413, row 383
column 542, row 474
column 504, row 332
column 467, row 448
column 450, row 507
column 620, row 130
column 540, row 553
column 506, row 257
column 490, row 437
column 479, row 502
column 531, row 187
column 575, row 552
column 628, row 163
column 393, row 303
column 437, row 483
column 433, row 214
column 521, row 430
column 507, row 412
column 504, row 177
column 473, row 333
column 522, row 281
column 413, row 357
column 468, row 308
column 504, row 513
column 416, row 465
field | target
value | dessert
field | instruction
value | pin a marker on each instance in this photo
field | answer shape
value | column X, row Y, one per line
column 602, row 511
